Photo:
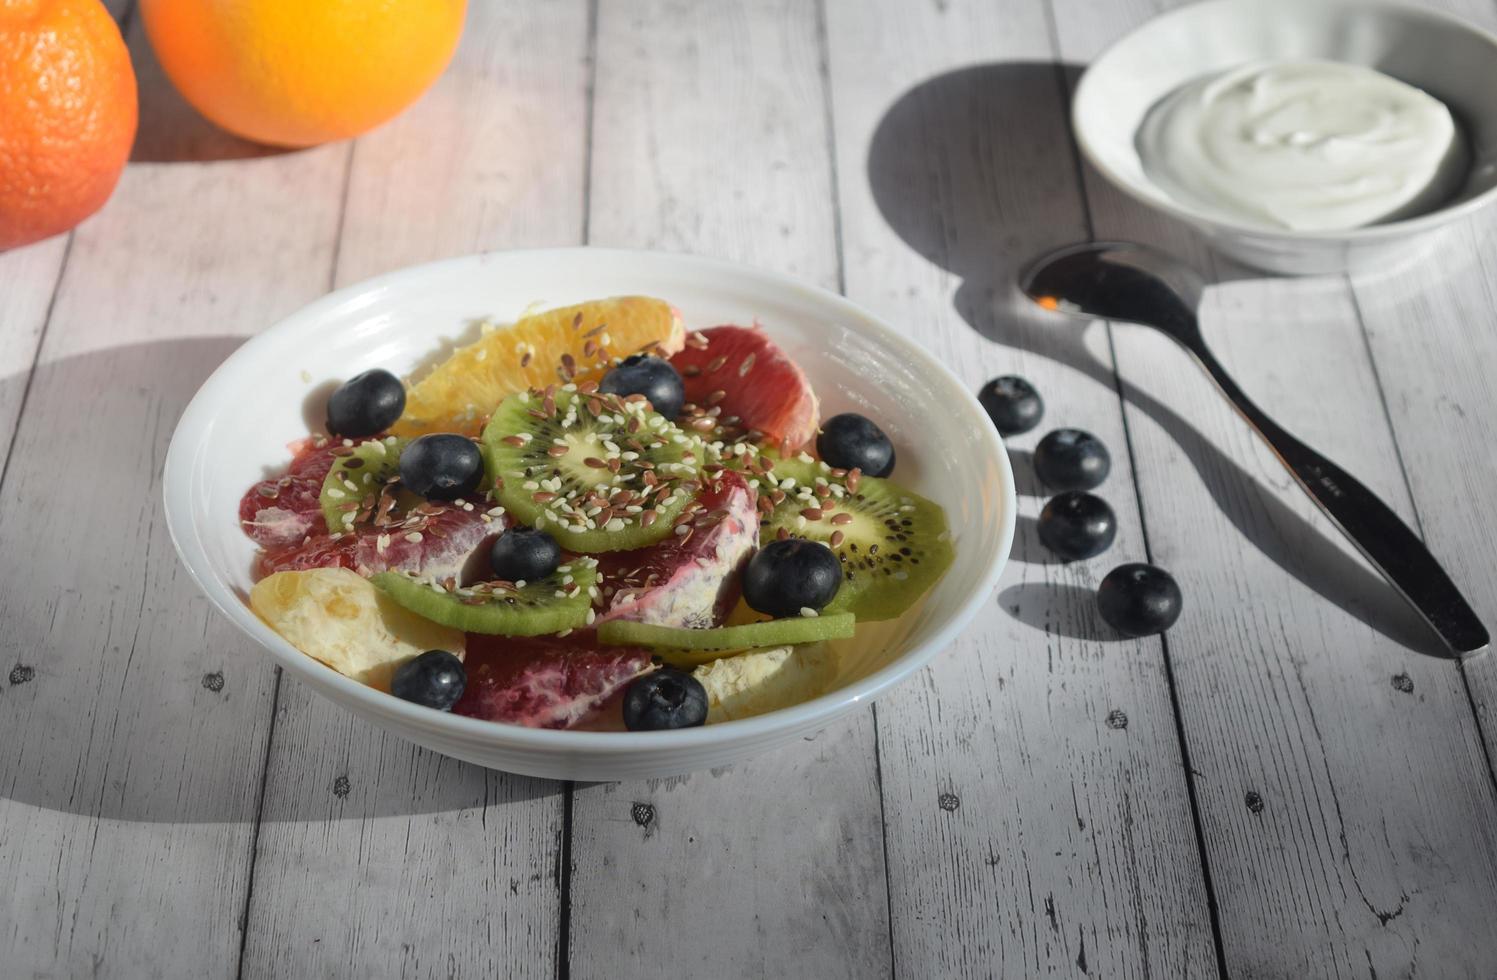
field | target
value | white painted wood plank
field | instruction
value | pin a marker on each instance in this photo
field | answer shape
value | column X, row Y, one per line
column 28, row 281
column 1038, row 817
column 1432, row 330
column 1342, row 785
column 135, row 719
column 709, row 136
column 442, row 868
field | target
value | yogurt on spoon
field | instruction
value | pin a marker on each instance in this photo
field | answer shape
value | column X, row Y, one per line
column 1303, row 145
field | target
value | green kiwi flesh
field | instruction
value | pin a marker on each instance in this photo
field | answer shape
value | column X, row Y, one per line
column 749, row 636
column 352, row 486
column 595, row 471
column 561, row 601
column 894, row 547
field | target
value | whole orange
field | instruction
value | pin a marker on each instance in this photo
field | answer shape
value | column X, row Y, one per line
column 67, row 115
column 300, row 72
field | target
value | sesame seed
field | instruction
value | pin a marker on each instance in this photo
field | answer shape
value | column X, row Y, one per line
column 808, row 612
column 717, row 363
column 414, row 537
column 683, row 529
column 616, row 524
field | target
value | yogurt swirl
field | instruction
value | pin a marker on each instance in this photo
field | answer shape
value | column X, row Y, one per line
column 1303, row 145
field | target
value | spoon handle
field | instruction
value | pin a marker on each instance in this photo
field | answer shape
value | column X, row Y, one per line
column 1370, row 524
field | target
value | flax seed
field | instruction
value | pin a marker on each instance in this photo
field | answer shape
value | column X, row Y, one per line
column 837, row 539
column 854, row 475
column 525, row 360
column 556, row 452
column 716, row 397
column 595, row 463
column 811, row 513
column 543, row 497
column 781, row 534
column 842, row 518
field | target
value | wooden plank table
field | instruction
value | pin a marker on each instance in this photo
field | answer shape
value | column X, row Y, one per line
column 1287, row 784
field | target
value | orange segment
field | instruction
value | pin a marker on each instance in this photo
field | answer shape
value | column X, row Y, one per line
column 571, row 343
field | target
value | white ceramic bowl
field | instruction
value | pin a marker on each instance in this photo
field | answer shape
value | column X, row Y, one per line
column 1446, row 57
column 272, row 390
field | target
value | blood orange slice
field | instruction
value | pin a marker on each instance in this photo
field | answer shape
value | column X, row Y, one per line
column 690, row 579
column 282, row 511
column 742, row 372
column 544, row 682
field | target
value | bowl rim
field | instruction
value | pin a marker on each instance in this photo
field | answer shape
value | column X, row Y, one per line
column 1404, row 227
column 356, row 696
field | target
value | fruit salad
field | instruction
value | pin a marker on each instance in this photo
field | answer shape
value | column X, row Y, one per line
column 591, row 518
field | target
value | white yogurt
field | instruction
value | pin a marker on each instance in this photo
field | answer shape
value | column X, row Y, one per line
column 1303, row 145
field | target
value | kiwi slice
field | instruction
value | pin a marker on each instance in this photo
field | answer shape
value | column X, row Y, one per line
column 561, row 601
column 352, row 486
column 893, row 543
column 770, row 633
column 596, row 471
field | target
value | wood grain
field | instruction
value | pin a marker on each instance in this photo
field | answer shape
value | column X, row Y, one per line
column 1430, row 327
column 709, row 136
column 28, row 282
column 1037, row 814
column 1338, row 769
column 443, row 869
column 135, row 719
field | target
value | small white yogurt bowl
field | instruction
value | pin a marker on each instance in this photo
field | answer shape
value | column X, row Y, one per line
column 1446, row 57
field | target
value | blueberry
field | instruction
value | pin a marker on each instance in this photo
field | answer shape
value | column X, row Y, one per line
column 1069, row 459
column 365, row 405
column 523, row 554
column 1077, row 525
column 849, row 440
column 435, row 679
column 1012, row 403
column 642, row 374
column 665, row 698
column 790, row 575
column 1138, row 599
column 441, row 466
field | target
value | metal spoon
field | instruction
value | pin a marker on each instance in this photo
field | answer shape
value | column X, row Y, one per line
column 1125, row 281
